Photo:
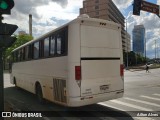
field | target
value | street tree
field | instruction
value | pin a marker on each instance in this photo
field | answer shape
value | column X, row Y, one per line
column 134, row 58
column 21, row 39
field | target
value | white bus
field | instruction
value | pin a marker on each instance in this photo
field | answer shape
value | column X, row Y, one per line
column 77, row 64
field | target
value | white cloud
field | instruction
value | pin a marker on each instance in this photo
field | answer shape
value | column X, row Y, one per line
column 122, row 4
column 149, row 20
column 40, row 30
column 158, row 2
column 55, row 10
column 49, row 14
column 42, row 13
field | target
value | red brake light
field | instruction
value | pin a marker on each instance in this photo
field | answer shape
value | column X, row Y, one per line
column 78, row 72
column 121, row 70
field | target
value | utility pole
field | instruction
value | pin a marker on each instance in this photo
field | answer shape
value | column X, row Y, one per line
column 155, row 50
column 127, row 44
column 158, row 51
column 6, row 40
column 145, row 49
column 1, row 75
column 1, row 83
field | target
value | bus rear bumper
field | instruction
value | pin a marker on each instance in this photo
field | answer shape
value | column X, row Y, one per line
column 87, row 100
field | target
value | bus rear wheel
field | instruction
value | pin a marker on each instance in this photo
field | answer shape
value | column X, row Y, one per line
column 39, row 94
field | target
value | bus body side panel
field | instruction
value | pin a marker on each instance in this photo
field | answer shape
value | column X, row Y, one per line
column 44, row 71
column 100, row 60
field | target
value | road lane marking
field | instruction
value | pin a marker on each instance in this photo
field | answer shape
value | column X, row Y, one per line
column 142, row 118
column 153, row 98
column 111, row 106
column 156, row 94
column 131, row 105
column 137, row 118
column 141, row 101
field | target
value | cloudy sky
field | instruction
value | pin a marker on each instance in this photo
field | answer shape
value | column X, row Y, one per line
column 49, row 14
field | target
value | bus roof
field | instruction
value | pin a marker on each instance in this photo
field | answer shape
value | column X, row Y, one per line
column 78, row 19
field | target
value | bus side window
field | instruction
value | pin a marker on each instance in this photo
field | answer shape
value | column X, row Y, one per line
column 52, row 46
column 59, row 45
column 30, row 52
column 19, row 55
column 64, row 42
column 36, row 50
column 16, row 56
column 23, row 54
column 13, row 57
column 26, row 52
column 46, row 47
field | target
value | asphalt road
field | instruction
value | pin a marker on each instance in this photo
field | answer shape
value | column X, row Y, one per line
column 142, row 96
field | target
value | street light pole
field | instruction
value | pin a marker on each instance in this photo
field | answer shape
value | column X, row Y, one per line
column 1, row 76
column 1, row 83
column 158, row 51
column 145, row 49
column 127, row 43
column 155, row 49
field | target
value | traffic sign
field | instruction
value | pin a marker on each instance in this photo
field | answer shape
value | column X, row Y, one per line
column 150, row 7
column 6, row 30
column 137, row 7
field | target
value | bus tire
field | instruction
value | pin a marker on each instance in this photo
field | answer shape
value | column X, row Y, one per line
column 39, row 94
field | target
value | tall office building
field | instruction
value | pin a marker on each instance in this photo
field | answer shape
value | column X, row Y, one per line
column 105, row 9
column 138, row 35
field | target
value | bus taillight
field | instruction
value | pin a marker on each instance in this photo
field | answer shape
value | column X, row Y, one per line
column 121, row 70
column 78, row 72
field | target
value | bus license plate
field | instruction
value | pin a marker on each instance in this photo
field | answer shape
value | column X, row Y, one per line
column 104, row 88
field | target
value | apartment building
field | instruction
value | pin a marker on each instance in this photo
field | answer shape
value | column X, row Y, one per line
column 106, row 9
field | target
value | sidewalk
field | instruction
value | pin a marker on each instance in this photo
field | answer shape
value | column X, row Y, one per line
column 132, row 70
column 141, row 68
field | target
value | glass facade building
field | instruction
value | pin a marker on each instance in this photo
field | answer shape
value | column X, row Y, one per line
column 138, row 35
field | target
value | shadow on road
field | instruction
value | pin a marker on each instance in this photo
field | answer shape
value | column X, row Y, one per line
column 21, row 100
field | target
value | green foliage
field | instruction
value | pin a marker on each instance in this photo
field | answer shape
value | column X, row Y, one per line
column 21, row 39
column 133, row 58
